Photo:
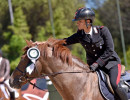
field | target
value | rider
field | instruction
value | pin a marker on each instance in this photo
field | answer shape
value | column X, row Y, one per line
column 5, row 74
column 98, row 44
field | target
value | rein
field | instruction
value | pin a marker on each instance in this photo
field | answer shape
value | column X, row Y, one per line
column 26, row 78
column 56, row 73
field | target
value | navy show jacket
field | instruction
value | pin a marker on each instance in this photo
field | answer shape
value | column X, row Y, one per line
column 99, row 48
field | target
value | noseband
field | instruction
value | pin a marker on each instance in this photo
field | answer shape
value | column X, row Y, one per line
column 28, row 79
column 23, row 77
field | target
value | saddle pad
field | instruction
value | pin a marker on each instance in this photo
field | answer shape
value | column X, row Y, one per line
column 126, row 77
column 103, row 88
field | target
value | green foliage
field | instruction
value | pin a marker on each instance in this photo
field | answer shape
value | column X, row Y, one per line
column 109, row 16
column 32, row 18
column 63, row 24
column 20, row 32
column 4, row 20
column 128, row 57
column 41, row 34
column 20, row 25
column 62, row 19
column 32, row 21
column 97, row 22
column 79, row 51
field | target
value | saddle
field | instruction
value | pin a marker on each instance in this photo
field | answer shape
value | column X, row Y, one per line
column 106, row 88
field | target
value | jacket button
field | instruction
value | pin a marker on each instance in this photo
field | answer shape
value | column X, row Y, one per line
column 85, row 45
column 95, row 54
column 92, row 45
column 93, row 50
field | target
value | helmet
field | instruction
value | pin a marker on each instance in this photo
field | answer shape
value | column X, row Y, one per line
column 84, row 13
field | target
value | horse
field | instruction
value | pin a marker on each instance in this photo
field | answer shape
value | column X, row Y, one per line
column 72, row 78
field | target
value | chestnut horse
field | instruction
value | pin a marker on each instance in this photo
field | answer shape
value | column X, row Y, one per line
column 71, row 77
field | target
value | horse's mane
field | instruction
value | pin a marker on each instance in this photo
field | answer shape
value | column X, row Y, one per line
column 59, row 50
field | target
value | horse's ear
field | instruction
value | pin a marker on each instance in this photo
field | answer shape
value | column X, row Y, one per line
column 29, row 42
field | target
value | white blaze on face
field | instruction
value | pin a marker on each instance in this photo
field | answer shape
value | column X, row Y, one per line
column 30, row 68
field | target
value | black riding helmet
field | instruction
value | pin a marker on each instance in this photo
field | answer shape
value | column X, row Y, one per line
column 84, row 13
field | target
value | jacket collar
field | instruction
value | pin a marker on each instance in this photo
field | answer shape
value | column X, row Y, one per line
column 85, row 37
column 95, row 34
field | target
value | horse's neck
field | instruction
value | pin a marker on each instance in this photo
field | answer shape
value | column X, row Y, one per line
column 72, row 83
column 56, row 65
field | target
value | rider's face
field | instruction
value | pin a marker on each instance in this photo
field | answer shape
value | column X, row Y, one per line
column 81, row 24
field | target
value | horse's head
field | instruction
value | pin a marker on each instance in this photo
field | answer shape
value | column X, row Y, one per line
column 49, row 52
column 27, row 68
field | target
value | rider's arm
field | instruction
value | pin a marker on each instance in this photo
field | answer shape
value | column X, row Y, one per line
column 73, row 39
column 109, row 45
column 7, row 68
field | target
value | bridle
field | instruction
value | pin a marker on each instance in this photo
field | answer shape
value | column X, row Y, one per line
column 28, row 79
column 25, row 78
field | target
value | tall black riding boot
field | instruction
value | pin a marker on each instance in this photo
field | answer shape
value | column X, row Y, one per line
column 121, row 94
column 12, row 96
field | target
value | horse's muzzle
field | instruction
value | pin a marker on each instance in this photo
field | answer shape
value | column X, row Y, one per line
column 14, row 83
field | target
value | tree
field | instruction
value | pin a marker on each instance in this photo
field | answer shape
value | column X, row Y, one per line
column 128, row 57
column 63, row 13
column 32, row 21
column 109, row 16
column 16, row 36
column 4, row 20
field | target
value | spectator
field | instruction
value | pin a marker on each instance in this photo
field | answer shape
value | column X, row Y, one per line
column 5, row 74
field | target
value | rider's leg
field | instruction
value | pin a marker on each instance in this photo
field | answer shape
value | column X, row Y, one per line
column 11, row 91
column 2, row 87
column 114, row 74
